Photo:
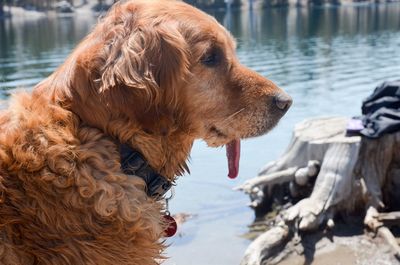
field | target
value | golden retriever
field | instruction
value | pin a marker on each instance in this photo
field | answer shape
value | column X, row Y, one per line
column 153, row 75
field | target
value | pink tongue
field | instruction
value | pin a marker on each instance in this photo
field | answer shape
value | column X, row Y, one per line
column 233, row 154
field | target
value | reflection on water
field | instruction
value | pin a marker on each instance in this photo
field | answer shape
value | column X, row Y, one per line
column 31, row 49
column 327, row 59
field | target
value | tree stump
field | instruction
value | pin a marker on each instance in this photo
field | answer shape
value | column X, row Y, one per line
column 324, row 172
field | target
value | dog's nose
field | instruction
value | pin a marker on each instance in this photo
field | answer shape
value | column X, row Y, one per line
column 283, row 101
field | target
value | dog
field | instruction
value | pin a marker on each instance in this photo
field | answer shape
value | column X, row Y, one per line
column 152, row 76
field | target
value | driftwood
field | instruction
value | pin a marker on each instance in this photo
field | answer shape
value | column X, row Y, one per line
column 322, row 173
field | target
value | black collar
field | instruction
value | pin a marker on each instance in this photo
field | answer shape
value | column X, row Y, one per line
column 133, row 163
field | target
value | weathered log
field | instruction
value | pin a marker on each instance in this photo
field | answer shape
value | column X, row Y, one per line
column 375, row 221
column 252, row 187
column 255, row 187
column 390, row 218
column 355, row 174
column 266, row 245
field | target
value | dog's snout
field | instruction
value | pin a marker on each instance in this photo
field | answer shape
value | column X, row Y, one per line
column 283, row 101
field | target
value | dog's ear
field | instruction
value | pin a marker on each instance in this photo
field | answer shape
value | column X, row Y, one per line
column 152, row 59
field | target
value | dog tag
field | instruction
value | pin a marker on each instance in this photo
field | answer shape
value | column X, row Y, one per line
column 172, row 226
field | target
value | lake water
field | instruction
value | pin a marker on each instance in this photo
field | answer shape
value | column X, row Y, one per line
column 327, row 59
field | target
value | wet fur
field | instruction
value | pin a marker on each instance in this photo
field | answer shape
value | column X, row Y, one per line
column 136, row 79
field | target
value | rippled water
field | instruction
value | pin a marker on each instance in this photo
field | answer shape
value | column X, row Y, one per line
column 328, row 59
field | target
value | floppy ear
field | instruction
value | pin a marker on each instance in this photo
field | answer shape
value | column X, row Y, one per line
column 152, row 59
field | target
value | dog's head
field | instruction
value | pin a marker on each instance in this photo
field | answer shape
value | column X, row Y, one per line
column 171, row 69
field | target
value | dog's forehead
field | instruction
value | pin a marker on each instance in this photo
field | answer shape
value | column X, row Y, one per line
column 210, row 27
column 196, row 25
column 205, row 28
column 183, row 13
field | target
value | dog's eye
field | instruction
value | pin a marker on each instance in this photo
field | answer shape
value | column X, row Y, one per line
column 211, row 59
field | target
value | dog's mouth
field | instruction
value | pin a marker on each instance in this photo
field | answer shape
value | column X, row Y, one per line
column 230, row 138
column 232, row 150
column 218, row 133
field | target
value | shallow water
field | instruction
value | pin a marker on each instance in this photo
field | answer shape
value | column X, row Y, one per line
column 327, row 59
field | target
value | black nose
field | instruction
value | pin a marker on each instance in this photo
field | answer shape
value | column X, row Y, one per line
column 283, row 101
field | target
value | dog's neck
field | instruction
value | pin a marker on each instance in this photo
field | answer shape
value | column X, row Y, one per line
column 167, row 154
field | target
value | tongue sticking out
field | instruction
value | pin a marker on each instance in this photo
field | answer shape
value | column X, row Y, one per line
column 233, row 154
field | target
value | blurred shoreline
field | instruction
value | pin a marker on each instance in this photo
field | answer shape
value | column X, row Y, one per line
column 92, row 7
column 63, row 8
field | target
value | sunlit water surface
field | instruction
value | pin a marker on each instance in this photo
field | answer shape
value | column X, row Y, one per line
column 327, row 59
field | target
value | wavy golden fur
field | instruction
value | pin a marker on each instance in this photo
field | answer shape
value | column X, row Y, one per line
column 153, row 74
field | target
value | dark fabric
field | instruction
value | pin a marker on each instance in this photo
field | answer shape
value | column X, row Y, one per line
column 381, row 110
column 133, row 163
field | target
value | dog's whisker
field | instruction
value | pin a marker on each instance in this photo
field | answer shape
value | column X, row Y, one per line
column 228, row 119
column 249, row 115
